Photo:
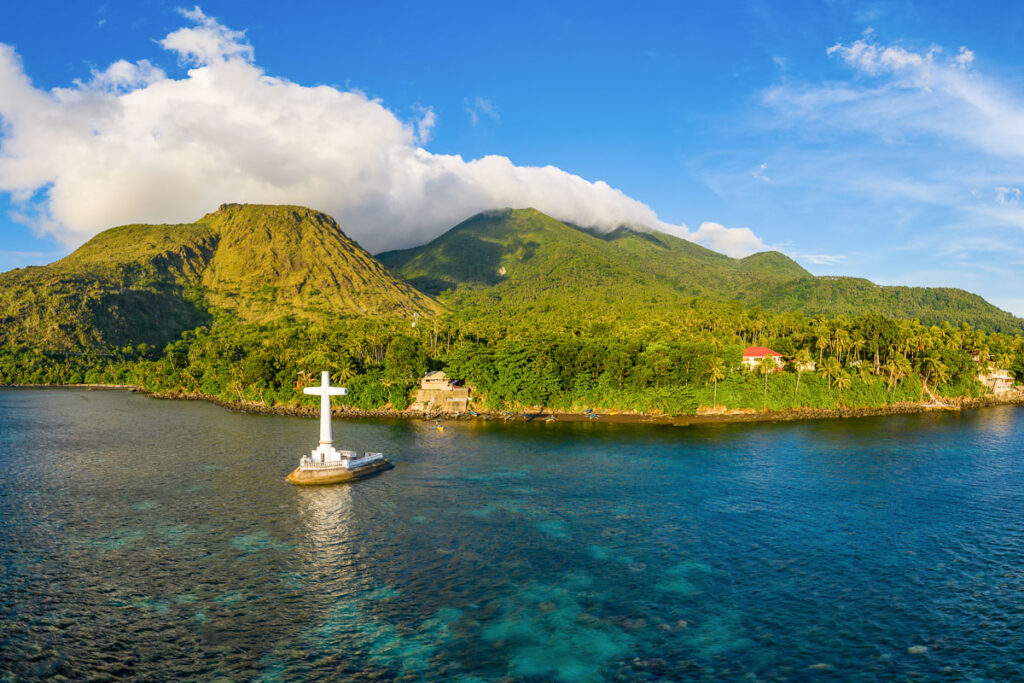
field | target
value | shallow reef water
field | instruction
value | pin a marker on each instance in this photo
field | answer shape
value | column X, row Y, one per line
column 149, row 539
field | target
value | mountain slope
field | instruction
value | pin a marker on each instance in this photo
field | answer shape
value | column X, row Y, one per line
column 276, row 260
column 524, row 253
column 531, row 262
column 148, row 283
column 133, row 284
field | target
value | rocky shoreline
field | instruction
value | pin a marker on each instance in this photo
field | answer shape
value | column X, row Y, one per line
column 343, row 412
column 704, row 417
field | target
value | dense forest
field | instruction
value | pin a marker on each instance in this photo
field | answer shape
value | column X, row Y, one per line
column 674, row 363
column 250, row 302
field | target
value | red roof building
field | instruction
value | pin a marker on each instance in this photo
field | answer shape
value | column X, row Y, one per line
column 752, row 356
column 759, row 352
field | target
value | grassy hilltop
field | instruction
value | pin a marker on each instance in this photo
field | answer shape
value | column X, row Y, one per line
column 150, row 283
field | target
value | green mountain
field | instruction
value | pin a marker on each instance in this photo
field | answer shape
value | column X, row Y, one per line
column 148, row 283
column 277, row 260
column 524, row 254
column 530, row 262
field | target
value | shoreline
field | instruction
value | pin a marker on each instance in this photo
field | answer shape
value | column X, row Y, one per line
column 708, row 417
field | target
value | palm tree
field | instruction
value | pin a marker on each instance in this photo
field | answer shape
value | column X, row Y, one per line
column 830, row 369
column 891, row 369
column 1004, row 361
column 766, row 366
column 801, row 362
column 856, row 347
column 942, row 374
column 344, row 369
column 821, row 344
column 843, row 380
column 716, row 371
column 902, row 369
column 931, row 365
column 841, row 342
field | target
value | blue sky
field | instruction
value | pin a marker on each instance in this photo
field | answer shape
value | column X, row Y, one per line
column 878, row 140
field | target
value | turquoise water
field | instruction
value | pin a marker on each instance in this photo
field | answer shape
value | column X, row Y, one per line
column 148, row 539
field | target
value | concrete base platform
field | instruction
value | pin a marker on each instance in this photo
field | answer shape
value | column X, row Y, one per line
column 338, row 475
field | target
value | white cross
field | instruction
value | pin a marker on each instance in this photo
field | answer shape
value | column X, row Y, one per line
column 325, row 391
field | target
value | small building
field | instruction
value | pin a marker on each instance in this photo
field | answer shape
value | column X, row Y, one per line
column 436, row 381
column 997, row 381
column 440, row 393
column 752, row 356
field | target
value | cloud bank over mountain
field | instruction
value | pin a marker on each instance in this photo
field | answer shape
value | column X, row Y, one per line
column 133, row 144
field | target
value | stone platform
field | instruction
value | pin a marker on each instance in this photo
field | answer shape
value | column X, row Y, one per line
column 336, row 475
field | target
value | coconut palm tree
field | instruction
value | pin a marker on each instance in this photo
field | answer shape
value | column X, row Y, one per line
column 801, row 361
column 716, row 371
column 892, row 369
column 931, row 365
column 343, row 369
column 856, row 346
column 843, row 380
column 841, row 342
column 1004, row 360
column 821, row 344
column 903, row 368
column 766, row 366
column 830, row 369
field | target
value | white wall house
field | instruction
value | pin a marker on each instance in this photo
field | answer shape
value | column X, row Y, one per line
column 753, row 354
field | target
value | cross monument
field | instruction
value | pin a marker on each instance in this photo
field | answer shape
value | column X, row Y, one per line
column 325, row 391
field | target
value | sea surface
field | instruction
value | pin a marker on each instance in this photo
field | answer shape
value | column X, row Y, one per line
column 150, row 539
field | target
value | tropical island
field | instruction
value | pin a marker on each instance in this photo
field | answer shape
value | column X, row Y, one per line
column 246, row 305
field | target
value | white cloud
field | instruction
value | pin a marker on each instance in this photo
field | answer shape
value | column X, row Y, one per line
column 873, row 58
column 759, row 173
column 479, row 106
column 916, row 129
column 735, row 242
column 207, row 42
column 818, row 259
column 1006, row 195
column 910, row 158
column 135, row 145
column 964, row 58
column 123, row 75
column 912, row 94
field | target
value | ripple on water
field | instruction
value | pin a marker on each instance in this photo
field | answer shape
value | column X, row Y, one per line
column 850, row 550
column 260, row 540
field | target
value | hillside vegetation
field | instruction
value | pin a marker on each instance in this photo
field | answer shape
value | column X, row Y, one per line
column 250, row 302
column 147, row 284
column 284, row 260
column 136, row 284
column 531, row 263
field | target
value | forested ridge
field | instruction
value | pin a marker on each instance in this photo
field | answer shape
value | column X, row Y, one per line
column 535, row 264
column 555, row 336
